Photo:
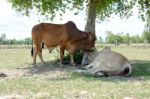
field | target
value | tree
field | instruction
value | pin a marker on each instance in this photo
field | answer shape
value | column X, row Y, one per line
column 146, row 33
column 136, row 39
column 108, row 35
column 147, row 26
column 28, row 41
column 114, row 39
column 146, row 36
column 2, row 39
column 126, row 39
column 100, row 40
column 20, row 42
column 99, row 9
column 13, row 41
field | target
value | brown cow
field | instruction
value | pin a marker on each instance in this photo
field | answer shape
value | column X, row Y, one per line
column 66, row 36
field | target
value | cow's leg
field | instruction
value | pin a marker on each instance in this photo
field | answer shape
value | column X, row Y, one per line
column 34, row 55
column 41, row 57
column 100, row 74
column 96, row 71
column 72, row 59
column 61, row 55
column 39, row 52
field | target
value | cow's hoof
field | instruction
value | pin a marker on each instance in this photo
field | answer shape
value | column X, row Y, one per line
column 34, row 64
column 99, row 74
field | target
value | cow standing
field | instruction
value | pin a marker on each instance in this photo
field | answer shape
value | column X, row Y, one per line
column 66, row 36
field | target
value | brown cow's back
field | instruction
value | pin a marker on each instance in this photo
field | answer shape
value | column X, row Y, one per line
column 48, row 33
column 54, row 34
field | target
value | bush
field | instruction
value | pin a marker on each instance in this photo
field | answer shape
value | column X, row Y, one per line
column 77, row 57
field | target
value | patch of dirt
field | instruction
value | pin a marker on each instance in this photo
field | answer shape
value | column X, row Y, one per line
column 12, row 96
column 129, row 98
column 75, row 94
column 39, row 95
column 47, row 69
column 3, row 75
column 52, row 70
column 11, row 73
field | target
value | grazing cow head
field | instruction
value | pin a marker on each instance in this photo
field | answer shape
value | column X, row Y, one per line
column 89, row 56
column 90, row 42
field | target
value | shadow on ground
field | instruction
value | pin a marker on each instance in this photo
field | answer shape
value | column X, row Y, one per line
column 141, row 71
column 49, row 66
column 141, row 68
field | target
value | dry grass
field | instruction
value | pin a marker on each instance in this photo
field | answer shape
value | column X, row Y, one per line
column 53, row 82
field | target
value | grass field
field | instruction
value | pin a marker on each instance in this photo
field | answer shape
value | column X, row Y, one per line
column 50, row 81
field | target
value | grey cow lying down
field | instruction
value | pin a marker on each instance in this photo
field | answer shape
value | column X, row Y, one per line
column 107, row 63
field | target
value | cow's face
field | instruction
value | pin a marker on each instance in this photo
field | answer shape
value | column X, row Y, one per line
column 88, row 57
column 89, row 47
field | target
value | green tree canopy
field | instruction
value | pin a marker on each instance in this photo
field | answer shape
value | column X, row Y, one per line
column 104, row 8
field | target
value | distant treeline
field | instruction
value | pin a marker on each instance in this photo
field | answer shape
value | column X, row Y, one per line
column 111, row 38
column 122, row 38
column 4, row 41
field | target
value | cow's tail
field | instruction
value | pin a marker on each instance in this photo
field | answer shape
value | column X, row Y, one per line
column 32, row 49
column 42, row 45
column 127, row 69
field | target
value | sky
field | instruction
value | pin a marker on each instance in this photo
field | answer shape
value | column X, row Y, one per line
column 17, row 26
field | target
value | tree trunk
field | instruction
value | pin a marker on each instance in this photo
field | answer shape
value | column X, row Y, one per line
column 90, row 25
column 147, row 26
column 91, row 17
